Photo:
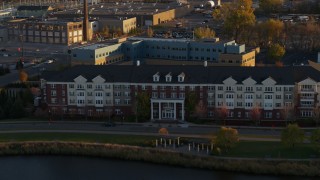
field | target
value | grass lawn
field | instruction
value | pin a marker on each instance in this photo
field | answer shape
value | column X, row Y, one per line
column 79, row 137
column 256, row 149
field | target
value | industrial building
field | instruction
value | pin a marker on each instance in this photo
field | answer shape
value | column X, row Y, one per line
column 210, row 50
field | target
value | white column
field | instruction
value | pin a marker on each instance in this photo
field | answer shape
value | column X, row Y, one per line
column 174, row 111
column 159, row 110
column 151, row 110
column 182, row 111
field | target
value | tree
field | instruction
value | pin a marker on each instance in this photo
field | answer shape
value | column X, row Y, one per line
column 105, row 31
column 270, row 6
column 237, row 17
column 2, row 113
column 315, row 137
column 222, row 113
column 204, row 32
column 150, row 32
column 191, row 102
column 255, row 114
column 23, row 76
column 276, row 52
column 17, row 110
column 292, row 135
column 143, row 105
column 163, row 131
column 226, row 138
column 269, row 32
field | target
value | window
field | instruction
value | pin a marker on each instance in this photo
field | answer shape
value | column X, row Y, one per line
column 154, row 87
column 98, row 86
column 162, row 95
column 117, row 94
column 306, row 113
column 89, row 93
column 278, row 96
column 181, row 88
column 278, row 88
column 210, row 88
column 162, row 88
column 239, row 104
column 268, row 115
column 71, row 93
column 127, row 101
column 98, row 94
column 220, row 88
column 89, row 86
column 80, row 86
column 108, row 86
column 230, row 114
column 267, row 105
column 239, row 88
column 108, row 94
column 173, row 88
column 210, row 95
column 239, row 114
column 71, row 86
column 143, row 87
column 229, row 96
column 127, row 94
column 154, row 95
column 173, row 95
column 259, row 88
column 267, row 96
column 278, row 105
column 249, row 88
column 53, row 100
column 156, row 78
column 229, row 104
column 63, row 93
column 248, row 104
column 229, row 88
column 117, row 101
column 220, row 96
column 210, row 103
column 53, row 86
column 192, row 88
column 53, row 93
column 80, row 93
column 99, row 101
column 210, row 113
column 288, row 96
column 181, row 78
column 248, row 96
column 117, row 87
column 268, row 89
column 168, row 78
column 181, row 95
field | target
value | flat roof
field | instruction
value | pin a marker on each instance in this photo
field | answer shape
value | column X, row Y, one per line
column 94, row 46
column 131, row 8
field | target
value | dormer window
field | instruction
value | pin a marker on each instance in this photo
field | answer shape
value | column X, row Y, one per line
column 181, row 77
column 168, row 77
column 156, row 77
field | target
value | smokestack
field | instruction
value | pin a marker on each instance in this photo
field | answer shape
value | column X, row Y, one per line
column 85, row 21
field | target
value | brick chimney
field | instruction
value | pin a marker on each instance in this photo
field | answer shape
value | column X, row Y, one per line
column 85, row 21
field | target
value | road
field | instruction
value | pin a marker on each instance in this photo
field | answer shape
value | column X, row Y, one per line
column 143, row 129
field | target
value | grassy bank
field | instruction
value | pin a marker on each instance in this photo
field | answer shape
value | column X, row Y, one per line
column 79, row 137
column 275, row 167
column 244, row 149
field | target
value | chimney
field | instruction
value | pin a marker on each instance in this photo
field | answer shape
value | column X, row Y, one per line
column 85, row 21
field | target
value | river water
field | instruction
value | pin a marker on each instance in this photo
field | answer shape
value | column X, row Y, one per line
column 87, row 168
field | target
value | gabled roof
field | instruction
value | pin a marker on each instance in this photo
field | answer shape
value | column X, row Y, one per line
column 193, row 74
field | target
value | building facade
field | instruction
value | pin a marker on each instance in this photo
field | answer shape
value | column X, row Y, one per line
column 55, row 32
column 238, row 93
column 222, row 53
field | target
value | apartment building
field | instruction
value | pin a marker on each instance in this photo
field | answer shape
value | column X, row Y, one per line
column 211, row 50
column 54, row 32
column 238, row 91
